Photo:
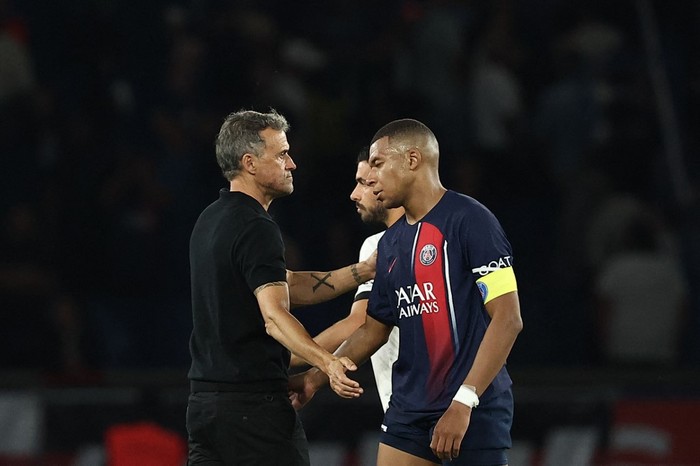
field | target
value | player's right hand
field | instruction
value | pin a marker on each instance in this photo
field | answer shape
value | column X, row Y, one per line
column 450, row 431
column 340, row 382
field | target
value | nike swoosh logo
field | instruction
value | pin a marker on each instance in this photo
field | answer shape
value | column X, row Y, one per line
column 392, row 264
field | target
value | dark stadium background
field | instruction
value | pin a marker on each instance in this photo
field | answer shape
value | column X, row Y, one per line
column 571, row 120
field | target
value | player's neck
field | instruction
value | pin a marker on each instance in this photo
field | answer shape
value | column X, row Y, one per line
column 393, row 215
column 420, row 203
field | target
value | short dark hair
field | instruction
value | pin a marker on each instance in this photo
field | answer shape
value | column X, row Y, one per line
column 405, row 126
column 240, row 134
column 363, row 155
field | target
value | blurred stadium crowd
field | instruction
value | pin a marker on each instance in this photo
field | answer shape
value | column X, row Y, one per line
column 572, row 120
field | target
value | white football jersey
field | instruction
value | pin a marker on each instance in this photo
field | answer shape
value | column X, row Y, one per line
column 383, row 359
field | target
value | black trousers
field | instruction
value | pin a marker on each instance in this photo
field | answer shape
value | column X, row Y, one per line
column 251, row 429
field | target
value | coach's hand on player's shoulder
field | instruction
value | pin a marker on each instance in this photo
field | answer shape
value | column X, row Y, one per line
column 371, row 261
column 365, row 270
column 450, row 430
column 339, row 381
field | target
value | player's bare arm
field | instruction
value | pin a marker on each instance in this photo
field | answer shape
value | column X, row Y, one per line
column 307, row 288
column 362, row 344
column 332, row 337
column 273, row 299
column 506, row 324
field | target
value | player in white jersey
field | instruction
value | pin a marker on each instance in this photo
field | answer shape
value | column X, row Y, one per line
column 371, row 211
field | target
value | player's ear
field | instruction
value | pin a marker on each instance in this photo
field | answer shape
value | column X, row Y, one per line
column 248, row 163
column 414, row 158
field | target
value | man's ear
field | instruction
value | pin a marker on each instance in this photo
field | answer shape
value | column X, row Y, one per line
column 248, row 163
column 415, row 157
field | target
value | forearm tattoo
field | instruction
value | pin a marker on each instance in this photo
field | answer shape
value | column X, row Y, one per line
column 322, row 281
column 262, row 287
column 355, row 274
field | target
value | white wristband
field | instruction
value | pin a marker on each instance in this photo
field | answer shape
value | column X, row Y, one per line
column 467, row 396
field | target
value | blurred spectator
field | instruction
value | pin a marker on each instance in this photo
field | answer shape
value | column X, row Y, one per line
column 570, row 125
column 124, row 302
column 495, row 106
column 42, row 322
column 569, row 117
column 496, row 96
column 641, row 297
column 16, row 74
column 17, row 107
column 429, row 63
column 608, row 227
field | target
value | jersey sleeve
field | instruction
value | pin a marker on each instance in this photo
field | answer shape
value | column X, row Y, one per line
column 366, row 250
column 490, row 255
column 260, row 253
column 379, row 306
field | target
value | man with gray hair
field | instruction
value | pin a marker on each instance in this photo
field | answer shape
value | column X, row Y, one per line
column 238, row 410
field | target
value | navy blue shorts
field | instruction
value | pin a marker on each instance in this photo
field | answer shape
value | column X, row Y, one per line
column 486, row 442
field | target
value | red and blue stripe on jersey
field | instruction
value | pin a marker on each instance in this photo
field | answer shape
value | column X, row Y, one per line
column 425, row 285
column 429, row 270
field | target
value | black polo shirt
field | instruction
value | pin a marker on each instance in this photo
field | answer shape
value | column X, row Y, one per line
column 235, row 247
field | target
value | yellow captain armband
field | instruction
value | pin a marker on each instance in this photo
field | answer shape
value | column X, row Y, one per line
column 497, row 283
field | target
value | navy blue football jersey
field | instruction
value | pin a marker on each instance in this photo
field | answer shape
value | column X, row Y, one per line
column 429, row 283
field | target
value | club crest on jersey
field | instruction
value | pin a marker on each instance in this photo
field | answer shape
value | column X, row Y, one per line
column 428, row 254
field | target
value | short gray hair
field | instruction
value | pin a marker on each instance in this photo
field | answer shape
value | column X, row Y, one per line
column 240, row 134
